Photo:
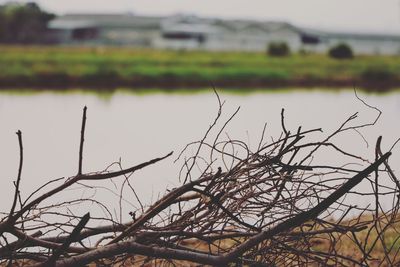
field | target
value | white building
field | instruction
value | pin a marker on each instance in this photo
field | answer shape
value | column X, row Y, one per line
column 191, row 32
column 104, row 29
column 370, row 44
column 183, row 32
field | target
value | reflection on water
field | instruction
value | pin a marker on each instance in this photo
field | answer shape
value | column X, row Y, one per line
column 137, row 127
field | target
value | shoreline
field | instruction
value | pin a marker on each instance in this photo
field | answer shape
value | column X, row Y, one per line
column 66, row 83
column 108, row 68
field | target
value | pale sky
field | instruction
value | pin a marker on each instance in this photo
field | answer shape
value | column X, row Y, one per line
column 379, row 16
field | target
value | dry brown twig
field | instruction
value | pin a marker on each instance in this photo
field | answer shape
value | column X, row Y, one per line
column 269, row 207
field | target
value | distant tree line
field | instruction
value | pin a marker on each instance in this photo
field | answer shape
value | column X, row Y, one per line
column 23, row 23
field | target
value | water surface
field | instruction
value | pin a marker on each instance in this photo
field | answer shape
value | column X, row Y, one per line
column 138, row 127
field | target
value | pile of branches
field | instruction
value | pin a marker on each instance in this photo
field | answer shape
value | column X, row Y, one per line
column 269, row 206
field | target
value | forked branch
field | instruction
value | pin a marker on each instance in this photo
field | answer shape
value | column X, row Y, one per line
column 267, row 207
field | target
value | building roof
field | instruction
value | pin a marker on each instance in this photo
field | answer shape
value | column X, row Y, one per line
column 240, row 25
column 70, row 24
column 349, row 35
column 106, row 21
column 184, row 23
column 187, row 28
column 190, row 23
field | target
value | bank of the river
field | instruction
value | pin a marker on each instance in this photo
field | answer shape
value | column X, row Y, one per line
column 107, row 68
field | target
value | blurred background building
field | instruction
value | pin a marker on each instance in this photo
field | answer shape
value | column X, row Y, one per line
column 192, row 32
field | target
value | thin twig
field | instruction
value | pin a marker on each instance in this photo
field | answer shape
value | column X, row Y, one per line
column 82, row 140
column 17, row 183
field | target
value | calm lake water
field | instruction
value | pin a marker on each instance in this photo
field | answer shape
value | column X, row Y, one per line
column 137, row 128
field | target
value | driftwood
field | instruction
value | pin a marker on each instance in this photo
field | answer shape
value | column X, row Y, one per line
column 269, row 206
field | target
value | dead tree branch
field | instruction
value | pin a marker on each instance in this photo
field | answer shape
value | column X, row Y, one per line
column 271, row 206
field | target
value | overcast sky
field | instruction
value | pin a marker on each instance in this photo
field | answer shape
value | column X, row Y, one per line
column 350, row 15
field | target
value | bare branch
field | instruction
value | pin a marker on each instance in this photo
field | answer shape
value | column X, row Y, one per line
column 17, row 183
column 82, row 140
column 270, row 207
column 72, row 237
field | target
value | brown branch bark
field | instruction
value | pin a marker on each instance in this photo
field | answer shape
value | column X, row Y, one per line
column 82, row 140
column 308, row 215
column 265, row 207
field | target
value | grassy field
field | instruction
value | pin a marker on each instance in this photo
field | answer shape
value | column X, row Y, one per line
column 63, row 67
